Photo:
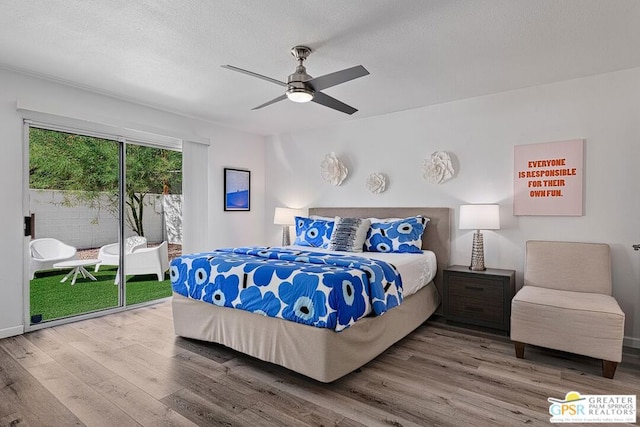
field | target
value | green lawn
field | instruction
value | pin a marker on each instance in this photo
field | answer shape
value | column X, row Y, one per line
column 54, row 300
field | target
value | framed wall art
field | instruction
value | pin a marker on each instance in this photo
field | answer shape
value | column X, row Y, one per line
column 237, row 189
column 548, row 178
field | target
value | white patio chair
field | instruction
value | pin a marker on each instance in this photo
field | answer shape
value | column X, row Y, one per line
column 45, row 252
column 110, row 254
column 153, row 260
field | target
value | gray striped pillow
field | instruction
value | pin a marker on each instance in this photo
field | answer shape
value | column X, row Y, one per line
column 349, row 234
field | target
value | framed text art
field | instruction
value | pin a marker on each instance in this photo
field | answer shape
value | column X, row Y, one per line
column 548, row 178
column 237, row 190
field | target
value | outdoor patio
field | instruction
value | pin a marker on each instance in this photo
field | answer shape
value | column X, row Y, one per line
column 52, row 299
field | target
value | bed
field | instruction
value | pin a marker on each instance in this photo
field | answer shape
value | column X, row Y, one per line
column 319, row 353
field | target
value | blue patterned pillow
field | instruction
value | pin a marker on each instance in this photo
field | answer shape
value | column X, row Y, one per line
column 313, row 232
column 403, row 235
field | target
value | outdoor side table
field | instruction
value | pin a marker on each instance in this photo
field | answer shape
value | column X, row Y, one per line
column 77, row 267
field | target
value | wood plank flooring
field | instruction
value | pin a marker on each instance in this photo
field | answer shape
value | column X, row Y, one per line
column 129, row 369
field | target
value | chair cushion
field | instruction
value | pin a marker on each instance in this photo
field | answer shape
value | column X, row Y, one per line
column 584, row 323
column 570, row 266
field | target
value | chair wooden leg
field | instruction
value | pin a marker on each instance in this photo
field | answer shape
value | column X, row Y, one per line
column 609, row 368
column 519, row 349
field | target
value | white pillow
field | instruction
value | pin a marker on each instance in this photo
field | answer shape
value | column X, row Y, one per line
column 349, row 234
column 326, row 218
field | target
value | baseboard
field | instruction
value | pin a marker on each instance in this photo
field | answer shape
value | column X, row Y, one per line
column 439, row 321
column 10, row 332
column 631, row 342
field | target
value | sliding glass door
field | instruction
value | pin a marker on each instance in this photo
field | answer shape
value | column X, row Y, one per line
column 105, row 220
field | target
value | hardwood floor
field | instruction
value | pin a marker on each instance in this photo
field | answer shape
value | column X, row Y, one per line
column 129, row 369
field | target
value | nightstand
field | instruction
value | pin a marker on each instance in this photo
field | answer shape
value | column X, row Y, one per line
column 481, row 298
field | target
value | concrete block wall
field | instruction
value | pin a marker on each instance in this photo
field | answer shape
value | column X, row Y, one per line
column 86, row 227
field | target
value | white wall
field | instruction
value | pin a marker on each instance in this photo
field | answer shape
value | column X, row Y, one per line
column 239, row 227
column 480, row 133
column 228, row 147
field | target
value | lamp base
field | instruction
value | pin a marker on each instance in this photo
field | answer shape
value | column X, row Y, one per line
column 286, row 241
column 477, row 253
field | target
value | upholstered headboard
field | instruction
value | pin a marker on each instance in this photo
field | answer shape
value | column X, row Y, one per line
column 436, row 238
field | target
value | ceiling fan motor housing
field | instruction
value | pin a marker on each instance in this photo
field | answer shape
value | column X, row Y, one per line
column 297, row 89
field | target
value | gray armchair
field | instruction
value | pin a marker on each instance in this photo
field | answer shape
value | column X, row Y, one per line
column 566, row 303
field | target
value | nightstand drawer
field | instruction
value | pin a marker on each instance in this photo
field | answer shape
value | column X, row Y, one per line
column 478, row 288
column 478, row 309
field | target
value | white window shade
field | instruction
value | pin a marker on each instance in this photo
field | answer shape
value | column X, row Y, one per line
column 195, row 190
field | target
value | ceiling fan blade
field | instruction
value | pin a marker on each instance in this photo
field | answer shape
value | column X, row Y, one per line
column 251, row 73
column 331, row 102
column 273, row 101
column 332, row 79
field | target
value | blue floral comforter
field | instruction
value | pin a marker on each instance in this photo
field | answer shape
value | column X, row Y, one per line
column 318, row 289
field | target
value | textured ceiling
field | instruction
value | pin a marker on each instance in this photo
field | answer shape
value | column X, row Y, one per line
column 168, row 54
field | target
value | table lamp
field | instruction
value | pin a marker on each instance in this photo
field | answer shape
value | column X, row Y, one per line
column 285, row 217
column 479, row 217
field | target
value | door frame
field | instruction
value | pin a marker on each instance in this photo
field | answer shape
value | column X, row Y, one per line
column 123, row 133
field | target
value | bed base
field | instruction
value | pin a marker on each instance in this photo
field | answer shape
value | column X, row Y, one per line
column 321, row 354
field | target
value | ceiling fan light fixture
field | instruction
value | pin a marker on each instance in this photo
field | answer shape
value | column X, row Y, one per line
column 301, row 87
column 299, row 94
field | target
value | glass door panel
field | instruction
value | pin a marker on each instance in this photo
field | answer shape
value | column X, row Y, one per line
column 153, row 220
column 73, row 193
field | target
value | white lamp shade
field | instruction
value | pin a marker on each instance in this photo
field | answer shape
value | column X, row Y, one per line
column 286, row 216
column 479, row 217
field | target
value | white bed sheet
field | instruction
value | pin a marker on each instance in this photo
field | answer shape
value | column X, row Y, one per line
column 416, row 270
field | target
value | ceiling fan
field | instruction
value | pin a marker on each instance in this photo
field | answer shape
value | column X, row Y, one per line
column 301, row 87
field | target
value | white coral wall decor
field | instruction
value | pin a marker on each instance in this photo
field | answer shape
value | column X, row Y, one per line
column 333, row 170
column 437, row 168
column 376, row 183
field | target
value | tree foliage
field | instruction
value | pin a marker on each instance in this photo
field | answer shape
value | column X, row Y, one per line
column 86, row 168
